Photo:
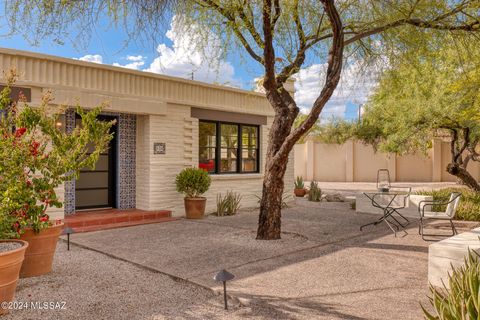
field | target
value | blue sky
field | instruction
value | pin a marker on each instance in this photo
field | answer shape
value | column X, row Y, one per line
column 173, row 55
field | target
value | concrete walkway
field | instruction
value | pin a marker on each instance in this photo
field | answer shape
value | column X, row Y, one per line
column 323, row 268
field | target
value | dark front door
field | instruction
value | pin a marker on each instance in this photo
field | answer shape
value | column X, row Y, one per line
column 96, row 188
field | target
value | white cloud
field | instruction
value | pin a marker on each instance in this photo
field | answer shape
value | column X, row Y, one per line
column 135, row 62
column 183, row 59
column 92, row 58
column 135, row 58
column 356, row 84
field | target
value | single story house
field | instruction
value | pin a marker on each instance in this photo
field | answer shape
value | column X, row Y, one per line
column 164, row 124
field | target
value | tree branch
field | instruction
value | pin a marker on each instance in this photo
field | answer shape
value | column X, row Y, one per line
column 334, row 69
column 473, row 26
column 268, row 50
column 234, row 26
column 249, row 24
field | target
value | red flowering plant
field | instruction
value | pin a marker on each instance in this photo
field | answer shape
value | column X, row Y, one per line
column 36, row 156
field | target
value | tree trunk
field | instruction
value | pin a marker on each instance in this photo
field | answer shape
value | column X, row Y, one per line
column 464, row 176
column 269, row 220
column 282, row 137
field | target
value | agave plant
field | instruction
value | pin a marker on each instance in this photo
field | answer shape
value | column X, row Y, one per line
column 228, row 205
column 462, row 300
column 299, row 183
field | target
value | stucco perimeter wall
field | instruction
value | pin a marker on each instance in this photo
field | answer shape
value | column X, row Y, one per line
column 156, row 172
column 355, row 162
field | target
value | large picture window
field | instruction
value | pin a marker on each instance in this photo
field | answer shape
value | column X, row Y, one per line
column 228, row 147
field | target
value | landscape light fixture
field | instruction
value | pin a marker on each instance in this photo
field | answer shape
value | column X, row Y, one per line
column 68, row 231
column 224, row 276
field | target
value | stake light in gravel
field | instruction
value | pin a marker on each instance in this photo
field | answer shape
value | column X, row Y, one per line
column 224, row 276
column 68, row 231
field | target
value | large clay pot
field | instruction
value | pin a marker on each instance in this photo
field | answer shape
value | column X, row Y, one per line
column 195, row 207
column 40, row 252
column 10, row 264
column 299, row 192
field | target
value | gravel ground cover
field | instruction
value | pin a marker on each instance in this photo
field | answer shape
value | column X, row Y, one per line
column 323, row 268
column 90, row 285
column 7, row 246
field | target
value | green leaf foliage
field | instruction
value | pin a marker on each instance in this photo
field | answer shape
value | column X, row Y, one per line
column 424, row 94
column 193, row 182
column 229, row 204
column 314, row 192
column 462, row 300
column 469, row 207
column 37, row 156
column 298, row 183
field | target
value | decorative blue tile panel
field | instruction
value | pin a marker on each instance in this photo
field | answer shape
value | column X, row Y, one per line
column 126, row 162
column 69, row 203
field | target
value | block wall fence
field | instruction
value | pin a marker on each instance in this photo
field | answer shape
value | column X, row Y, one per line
column 354, row 161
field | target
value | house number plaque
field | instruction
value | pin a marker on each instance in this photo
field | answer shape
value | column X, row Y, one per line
column 159, row 148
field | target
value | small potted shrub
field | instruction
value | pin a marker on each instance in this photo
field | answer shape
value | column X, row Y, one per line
column 299, row 190
column 38, row 156
column 193, row 182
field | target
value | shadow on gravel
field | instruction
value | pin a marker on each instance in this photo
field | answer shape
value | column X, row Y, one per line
column 295, row 308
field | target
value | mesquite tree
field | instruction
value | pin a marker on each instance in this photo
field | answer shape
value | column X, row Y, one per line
column 426, row 94
column 282, row 36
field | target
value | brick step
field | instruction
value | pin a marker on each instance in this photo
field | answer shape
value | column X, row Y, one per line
column 107, row 219
column 120, row 225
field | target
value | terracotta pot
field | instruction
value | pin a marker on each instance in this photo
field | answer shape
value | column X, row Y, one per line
column 40, row 252
column 299, row 192
column 10, row 264
column 195, row 207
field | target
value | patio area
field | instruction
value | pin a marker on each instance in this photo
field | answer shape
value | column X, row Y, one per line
column 323, row 268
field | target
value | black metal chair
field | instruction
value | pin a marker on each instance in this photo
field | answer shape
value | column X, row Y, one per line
column 449, row 214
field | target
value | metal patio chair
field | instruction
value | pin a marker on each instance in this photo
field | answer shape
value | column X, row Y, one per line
column 449, row 214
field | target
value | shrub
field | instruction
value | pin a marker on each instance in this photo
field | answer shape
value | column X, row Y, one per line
column 299, row 183
column 37, row 156
column 193, row 182
column 353, row 205
column 228, row 205
column 461, row 300
column 315, row 193
column 469, row 207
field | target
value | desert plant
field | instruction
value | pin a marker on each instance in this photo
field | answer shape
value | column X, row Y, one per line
column 469, row 207
column 193, row 182
column 462, row 300
column 299, row 184
column 228, row 205
column 353, row 205
column 315, row 193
